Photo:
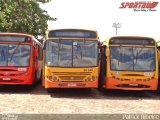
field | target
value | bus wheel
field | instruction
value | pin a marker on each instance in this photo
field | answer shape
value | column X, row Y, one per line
column 158, row 87
column 102, row 89
column 50, row 90
column 88, row 90
column 35, row 80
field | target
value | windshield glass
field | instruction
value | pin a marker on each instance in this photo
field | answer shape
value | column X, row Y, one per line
column 71, row 53
column 14, row 55
column 132, row 58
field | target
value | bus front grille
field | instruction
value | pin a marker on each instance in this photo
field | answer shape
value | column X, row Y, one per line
column 72, row 73
column 9, row 74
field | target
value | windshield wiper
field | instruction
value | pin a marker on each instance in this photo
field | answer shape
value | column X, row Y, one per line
column 136, row 57
column 59, row 45
column 119, row 55
column 84, row 48
column 14, row 51
column 137, row 54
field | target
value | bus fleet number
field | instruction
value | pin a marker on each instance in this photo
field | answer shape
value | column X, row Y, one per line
column 88, row 70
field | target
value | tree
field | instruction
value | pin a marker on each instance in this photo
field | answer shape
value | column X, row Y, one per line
column 24, row 16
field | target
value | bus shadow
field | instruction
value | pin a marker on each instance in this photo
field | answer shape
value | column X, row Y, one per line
column 81, row 93
column 71, row 93
column 18, row 89
column 131, row 95
column 108, row 94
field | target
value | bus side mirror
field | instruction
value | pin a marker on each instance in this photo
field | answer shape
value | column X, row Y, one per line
column 99, row 44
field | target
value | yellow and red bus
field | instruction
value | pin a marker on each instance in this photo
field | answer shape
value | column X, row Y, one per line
column 20, row 59
column 158, row 55
column 129, row 63
column 71, row 59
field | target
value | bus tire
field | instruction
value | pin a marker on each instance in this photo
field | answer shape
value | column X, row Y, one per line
column 88, row 90
column 34, row 80
column 50, row 90
column 158, row 87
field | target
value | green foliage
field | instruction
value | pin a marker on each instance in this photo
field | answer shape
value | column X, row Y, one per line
column 23, row 16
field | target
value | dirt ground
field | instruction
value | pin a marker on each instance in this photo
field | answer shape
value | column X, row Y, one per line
column 21, row 100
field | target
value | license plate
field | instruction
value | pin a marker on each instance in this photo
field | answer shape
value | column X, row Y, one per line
column 133, row 84
column 6, row 78
column 72, row 84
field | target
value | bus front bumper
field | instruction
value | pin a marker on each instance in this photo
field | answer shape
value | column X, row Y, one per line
column 112, row 83
column 49, row 84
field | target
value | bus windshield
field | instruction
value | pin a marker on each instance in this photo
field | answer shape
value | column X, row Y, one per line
column 132, row 58
column 71, row 53
column 14, row 55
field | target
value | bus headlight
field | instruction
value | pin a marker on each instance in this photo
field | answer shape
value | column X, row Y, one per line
column 94, row 78
column 54, row 78
column 89, row 79
column 51, row 78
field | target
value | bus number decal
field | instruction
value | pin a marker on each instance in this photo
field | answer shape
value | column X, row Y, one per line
column 117, row 72
column 6, row 79
column 148, row 73
column 88, row 70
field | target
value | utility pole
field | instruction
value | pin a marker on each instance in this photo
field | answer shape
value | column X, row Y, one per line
column 116, row 25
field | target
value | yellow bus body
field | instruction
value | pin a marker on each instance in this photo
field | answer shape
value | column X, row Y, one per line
column 70, row 77
column 129, row 80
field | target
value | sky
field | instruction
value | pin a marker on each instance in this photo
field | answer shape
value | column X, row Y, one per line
column 101, row 14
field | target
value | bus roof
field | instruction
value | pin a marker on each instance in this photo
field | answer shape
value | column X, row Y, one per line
column 13, row 34
column 133, row 38
column 17, row 37
column 73, row 29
